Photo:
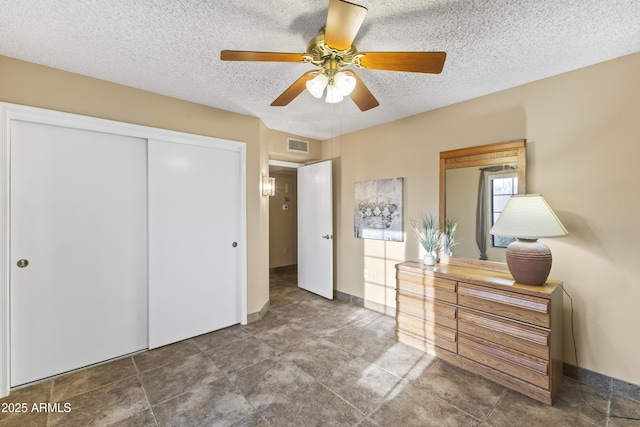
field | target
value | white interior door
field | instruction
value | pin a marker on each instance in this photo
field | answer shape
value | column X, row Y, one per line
column 78, row 215
column 194, row 232
column 315, row 229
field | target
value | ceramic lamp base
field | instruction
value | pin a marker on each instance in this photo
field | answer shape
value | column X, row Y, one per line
column 529, row 261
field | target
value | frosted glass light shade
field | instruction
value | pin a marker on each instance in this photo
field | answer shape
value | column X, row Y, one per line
column 316, row 85
column 268, row 186
column 528, row 216
column 333, row 95
column 345, row 83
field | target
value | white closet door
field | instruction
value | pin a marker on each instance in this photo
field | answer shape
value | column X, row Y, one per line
column 315, row 229
column 78, row 215
column 193, row 229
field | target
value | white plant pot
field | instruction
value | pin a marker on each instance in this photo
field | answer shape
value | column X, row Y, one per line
column 429, row 259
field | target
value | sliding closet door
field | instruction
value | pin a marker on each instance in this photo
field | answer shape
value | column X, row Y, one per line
column 78, row 248
column 194, row 232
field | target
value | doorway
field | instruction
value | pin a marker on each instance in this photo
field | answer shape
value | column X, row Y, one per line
column 283, row 218
column 314, row 200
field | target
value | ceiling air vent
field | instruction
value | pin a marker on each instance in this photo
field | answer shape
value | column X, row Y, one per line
column 297, row 145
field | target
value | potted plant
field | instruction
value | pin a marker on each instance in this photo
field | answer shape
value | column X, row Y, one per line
column 450, row 225
column 427, row 229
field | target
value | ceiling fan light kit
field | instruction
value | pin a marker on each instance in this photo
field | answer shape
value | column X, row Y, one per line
column 331, row 51
column 345, row 83
column 317, row 85
column 338, row 86
column 333, row 95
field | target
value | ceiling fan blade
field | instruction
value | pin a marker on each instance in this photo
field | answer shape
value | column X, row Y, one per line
column 241, row 55
column 343, row 23
column 294, row 90
column 416, row 62
column 361, row 95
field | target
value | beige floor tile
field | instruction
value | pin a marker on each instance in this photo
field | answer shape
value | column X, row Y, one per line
column 312, row 406
column 354, row 339
column 400, row 359
column 624, row 409
column 220, row 338
column 269, row 381
column 17, row 408
column 215, row 404
column 414, row 407
column 318, row 356
column 363, row 384
column 283, row 337
column 91, row 378
column 178, row 377
column 240, row 354
column 515, row 406
column 465, row 390
column 253, row 420
column 106, row 405
column 164, row 355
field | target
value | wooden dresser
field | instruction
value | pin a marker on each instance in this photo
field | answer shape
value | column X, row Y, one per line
column 485, row 322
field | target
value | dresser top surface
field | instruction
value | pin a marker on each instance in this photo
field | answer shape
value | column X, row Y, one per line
column 494, row 279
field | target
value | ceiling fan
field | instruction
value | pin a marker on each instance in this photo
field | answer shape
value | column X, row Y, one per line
column 333, row 50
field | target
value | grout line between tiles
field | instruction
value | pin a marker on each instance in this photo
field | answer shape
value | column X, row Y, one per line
column 146, row 395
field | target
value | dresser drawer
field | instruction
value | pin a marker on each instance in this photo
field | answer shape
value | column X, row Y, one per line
column 429, row 286
column 525, row 367
column 428, row 331
column 504, row 303
column 427, row 309
column 432, row 347
column 527, row 339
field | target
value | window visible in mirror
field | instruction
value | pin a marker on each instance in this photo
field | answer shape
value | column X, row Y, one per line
column 503, row 186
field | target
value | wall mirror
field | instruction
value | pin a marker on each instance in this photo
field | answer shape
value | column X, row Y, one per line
column 475, row 184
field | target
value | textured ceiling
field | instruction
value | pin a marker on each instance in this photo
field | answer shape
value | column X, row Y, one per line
column 173, row 48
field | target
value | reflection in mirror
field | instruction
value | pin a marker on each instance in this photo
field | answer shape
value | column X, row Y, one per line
column 475, row 184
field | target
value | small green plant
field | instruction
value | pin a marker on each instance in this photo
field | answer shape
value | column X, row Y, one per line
column 427, row 229
column 450, row 226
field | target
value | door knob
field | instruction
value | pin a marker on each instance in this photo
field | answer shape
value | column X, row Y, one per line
column 326, row 236
column 22, row 263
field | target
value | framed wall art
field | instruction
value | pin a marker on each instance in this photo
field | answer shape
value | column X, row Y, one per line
column 378, row 210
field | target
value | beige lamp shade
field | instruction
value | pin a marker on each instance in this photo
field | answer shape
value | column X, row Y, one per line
column 528, row 217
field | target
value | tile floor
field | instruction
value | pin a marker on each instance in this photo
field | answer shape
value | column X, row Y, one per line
column 309, row 362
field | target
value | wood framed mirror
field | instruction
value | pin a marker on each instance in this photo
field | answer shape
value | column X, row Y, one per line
column 475, row 183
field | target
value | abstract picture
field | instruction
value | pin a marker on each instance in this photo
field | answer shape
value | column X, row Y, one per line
column 377, row 210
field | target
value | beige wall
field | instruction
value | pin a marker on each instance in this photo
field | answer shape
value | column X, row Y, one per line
column 583, row 138
column 278, row 148
column 283, row 224
column 38, row 86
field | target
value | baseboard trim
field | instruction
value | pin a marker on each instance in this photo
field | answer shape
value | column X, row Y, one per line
column 283, row 268
column 351, row 299
column 603, row 382
column 254, row 317
column 361, row 302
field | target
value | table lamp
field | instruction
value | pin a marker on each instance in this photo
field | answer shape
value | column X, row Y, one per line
column 528, row 217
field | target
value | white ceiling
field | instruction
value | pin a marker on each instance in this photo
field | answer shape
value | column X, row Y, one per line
column 172, row 47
